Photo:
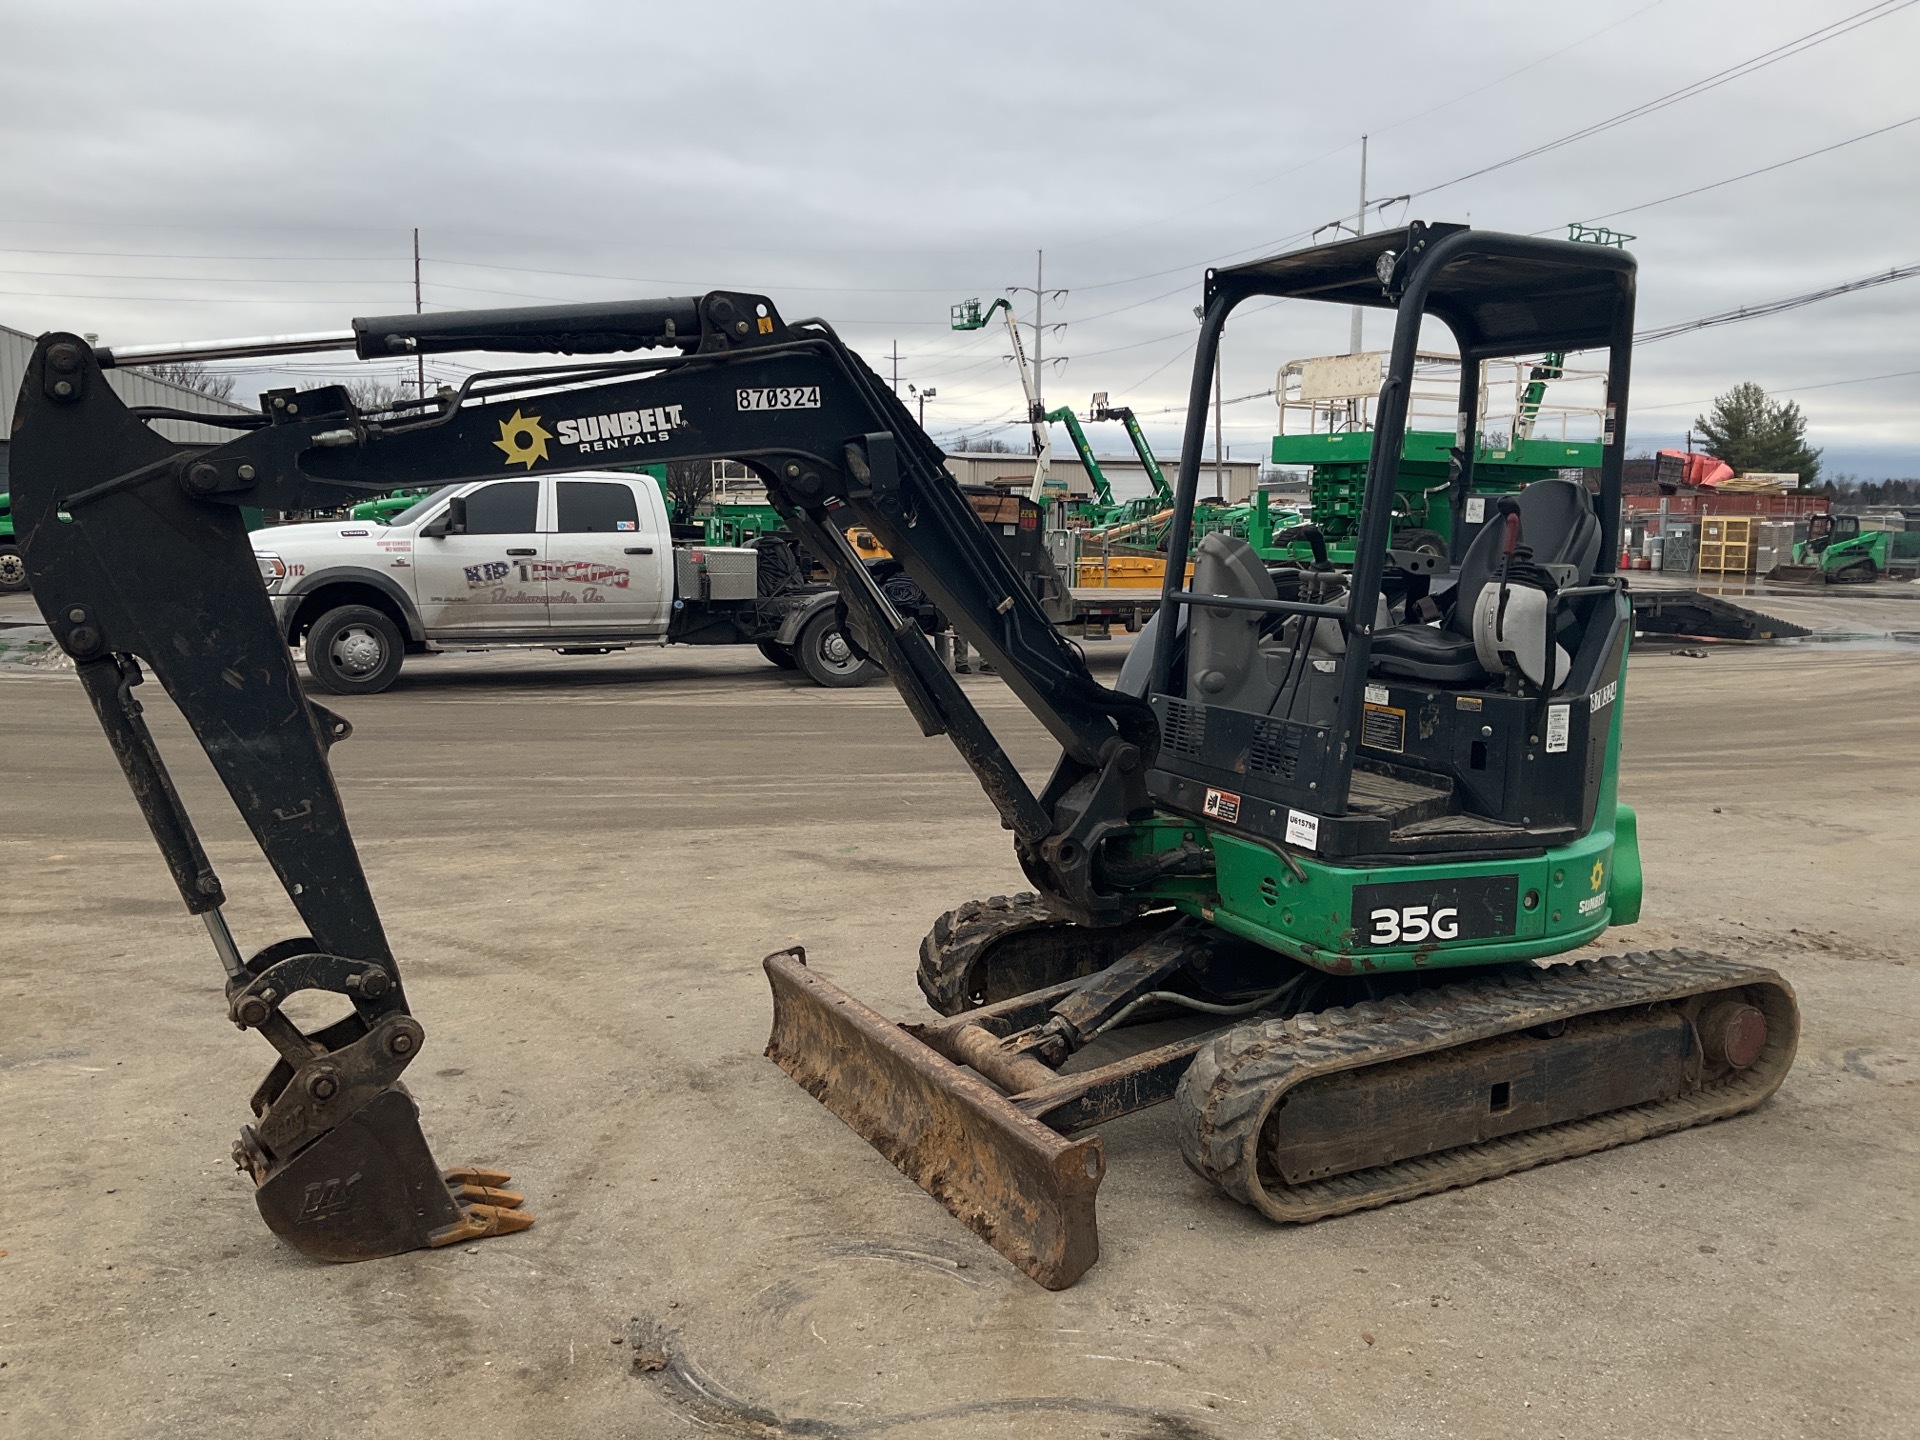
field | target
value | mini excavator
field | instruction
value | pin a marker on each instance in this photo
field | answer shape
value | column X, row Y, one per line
column 1299, row 872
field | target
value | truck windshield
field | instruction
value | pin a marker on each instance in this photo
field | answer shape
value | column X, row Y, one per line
column 418, row 508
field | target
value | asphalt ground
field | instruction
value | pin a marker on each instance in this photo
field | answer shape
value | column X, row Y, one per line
column 581, row 862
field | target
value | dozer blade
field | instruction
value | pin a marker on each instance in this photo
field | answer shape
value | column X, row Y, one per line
column 1023, row 1188
column 368, row 1188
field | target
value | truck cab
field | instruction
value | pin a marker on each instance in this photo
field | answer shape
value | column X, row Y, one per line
column 582, row 561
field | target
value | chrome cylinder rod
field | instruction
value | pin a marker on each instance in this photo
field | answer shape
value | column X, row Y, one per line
column 175, row 352
column 229, row 952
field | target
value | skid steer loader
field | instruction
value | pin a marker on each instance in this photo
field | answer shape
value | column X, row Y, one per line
column 1297, row 872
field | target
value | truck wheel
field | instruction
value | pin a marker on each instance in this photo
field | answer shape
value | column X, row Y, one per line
column 824, row 654
column 1421, row 542
column 781, row 655
column 13, row 569
column 354, row 650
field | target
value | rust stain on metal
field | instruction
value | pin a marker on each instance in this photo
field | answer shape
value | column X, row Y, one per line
column 1020, row 1186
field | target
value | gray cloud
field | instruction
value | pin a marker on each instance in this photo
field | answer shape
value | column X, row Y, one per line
column 875, row 162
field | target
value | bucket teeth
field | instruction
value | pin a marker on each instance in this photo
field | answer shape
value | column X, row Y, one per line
column 487, row 1195
column 484, row 1211
column 475, row 1175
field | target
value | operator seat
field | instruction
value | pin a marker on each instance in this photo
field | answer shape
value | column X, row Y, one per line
column 1557, row 523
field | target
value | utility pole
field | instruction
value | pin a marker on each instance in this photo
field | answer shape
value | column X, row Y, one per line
column 419, row 361
column 1359, row 228
column 1031, row 385
column 1039, row 335
column 896, row 367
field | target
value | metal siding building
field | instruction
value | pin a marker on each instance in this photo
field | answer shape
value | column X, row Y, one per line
column 1124, row 473
column 136, row 387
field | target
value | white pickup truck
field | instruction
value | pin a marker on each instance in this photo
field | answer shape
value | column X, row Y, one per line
column 580, row 563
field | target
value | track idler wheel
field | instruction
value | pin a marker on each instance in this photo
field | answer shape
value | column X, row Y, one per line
column 990, row 950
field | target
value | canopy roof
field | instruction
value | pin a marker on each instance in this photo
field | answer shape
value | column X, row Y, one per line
column 1500, row 294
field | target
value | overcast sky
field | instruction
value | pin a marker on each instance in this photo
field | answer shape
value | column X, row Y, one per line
column 196, row 170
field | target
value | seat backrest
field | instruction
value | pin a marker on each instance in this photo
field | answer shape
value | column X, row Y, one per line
column 1557, row 523
column 1224, row 664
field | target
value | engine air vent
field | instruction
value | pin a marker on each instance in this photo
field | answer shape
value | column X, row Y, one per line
column 1185, row 728
column 1275, row 750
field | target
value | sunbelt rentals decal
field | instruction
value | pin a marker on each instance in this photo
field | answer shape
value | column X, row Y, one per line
column 523, row 438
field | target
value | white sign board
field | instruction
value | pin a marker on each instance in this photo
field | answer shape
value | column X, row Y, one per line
column 1341, row 377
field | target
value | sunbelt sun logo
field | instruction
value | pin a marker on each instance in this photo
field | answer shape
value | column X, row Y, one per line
column 523, row 438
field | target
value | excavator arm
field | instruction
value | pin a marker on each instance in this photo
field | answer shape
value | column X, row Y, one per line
column 139, row 559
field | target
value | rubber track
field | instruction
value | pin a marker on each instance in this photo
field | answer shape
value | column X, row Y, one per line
column 1230, row 1089
column 959, row 938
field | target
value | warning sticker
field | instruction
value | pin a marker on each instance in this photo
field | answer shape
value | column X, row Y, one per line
column 1222, row 805
column 1303, row 829
column 1376, row 694
column 1557, row 727
column 1476, row 509
column 1384, row 727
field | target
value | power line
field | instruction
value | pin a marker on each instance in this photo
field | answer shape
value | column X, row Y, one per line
column 1328, row 155
column 194, row 279
column 1512, row 74
column 1735, row 179
column 1782, row 390
column 1714, row 81
column 180, row 299
column 1774, row 307
column 170, row 255
column 694, row 284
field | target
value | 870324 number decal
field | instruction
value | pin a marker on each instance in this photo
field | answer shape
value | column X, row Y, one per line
column 779, row 397
column 1435, row 912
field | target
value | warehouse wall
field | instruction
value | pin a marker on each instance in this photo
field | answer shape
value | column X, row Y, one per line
column 1125, row 474
column 136, row 387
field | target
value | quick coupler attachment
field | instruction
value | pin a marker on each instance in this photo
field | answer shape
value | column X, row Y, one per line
column 341, row 1167
column 1022, row 1187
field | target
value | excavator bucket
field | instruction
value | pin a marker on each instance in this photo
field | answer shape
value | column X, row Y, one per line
column 369, row 1188
column 1025, row 1189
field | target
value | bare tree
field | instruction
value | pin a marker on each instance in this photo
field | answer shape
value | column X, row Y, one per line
column 376, row 394
column 191, row 375
column 689, row 485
